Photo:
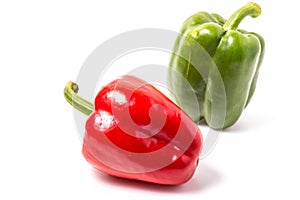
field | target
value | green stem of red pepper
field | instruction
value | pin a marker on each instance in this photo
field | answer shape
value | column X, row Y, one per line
column 250, row 9
column 70, row 93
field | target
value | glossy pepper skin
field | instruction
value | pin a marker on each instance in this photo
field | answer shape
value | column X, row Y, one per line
column 237, row 55
column 135, row 132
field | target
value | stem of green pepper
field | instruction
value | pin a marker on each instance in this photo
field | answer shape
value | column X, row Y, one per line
column 250, row 9
column 70, row 93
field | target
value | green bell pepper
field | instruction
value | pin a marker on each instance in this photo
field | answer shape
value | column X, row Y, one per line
column 237, row 55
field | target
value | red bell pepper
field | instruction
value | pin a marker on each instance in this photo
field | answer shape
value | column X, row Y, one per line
column 136, row 132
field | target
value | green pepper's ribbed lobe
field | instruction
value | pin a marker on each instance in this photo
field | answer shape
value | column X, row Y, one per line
column 76, row 101
column 250, row 9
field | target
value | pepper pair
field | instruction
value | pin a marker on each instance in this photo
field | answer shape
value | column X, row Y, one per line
column 135, row 132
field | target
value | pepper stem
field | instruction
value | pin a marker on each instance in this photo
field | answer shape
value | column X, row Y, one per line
column 250, row 9
column 70, row 93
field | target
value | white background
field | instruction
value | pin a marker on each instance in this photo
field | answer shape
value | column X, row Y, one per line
column 43, row 45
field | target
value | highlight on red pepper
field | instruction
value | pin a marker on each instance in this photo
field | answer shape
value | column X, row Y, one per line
column 135, row 132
